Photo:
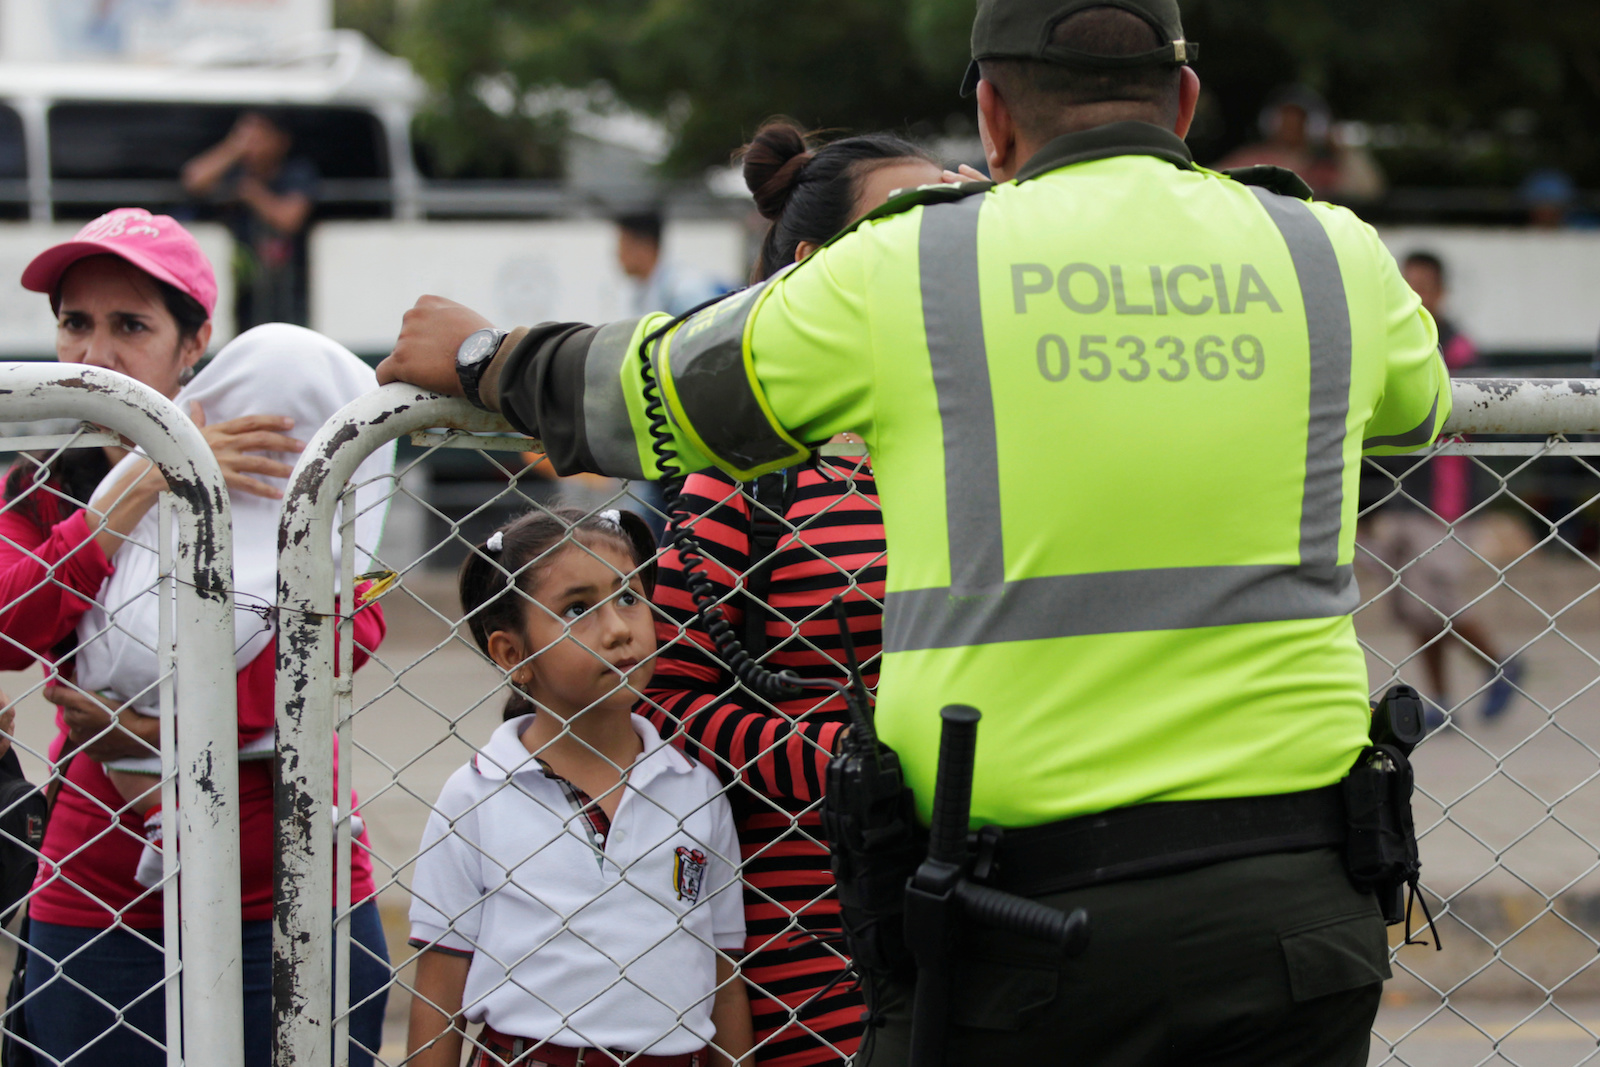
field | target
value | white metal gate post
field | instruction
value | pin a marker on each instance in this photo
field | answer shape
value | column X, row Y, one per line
column 207, row 743
column 302, row 949
column 1524, row 406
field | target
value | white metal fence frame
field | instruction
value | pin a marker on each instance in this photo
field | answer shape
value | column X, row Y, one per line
column 314, row 704
column 203, row 920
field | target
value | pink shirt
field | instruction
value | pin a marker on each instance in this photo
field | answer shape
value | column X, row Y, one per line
column 1452, row 475
column 86, row 877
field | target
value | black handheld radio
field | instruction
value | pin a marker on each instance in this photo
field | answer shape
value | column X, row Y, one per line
column 870, row 823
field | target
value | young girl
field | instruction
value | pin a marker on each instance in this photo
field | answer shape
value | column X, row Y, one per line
column 577, row 888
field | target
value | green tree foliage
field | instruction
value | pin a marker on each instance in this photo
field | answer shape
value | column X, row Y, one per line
column 1459, row 91
column 378, row 19
column 941, row 36
column 474, row 126
column 711, row 70
column 728, row 64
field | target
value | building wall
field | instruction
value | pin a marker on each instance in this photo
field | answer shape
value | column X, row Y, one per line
column 34, row 30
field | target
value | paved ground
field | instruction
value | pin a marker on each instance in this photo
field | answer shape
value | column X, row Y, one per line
column 1510, row 806
column 1487, row 1032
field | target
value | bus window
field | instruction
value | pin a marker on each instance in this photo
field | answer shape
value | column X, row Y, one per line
column 13, row 166
column 106, row 154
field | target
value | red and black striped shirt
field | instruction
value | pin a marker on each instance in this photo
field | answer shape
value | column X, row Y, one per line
column 807, row 1010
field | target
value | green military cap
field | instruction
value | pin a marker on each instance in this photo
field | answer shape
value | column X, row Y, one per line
column 1020, row 29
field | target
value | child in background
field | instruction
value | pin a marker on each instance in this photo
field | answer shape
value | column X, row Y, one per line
column 577, row 888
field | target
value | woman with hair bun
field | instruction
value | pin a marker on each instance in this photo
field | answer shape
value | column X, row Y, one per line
column 806, row 1005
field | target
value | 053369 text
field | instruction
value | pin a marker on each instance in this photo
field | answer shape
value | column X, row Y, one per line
column 1133, row 359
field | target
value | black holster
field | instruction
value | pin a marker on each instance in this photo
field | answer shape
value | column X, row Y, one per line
column 1380, row 848
column 944, row 894
column 1380, row 852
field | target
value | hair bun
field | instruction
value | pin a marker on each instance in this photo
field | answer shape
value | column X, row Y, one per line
column 773, row 161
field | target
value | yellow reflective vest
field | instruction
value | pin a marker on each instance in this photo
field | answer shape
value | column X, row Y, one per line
column 1116, row 410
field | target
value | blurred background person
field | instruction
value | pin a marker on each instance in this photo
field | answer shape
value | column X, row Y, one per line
column 1552, row 201
column 806, row 1006
column 1430, row 565
column 1297, row 132
column 1422, row 537
column 657, row 283
column 1425, row 272
column 1451, row 491
column 271, row 194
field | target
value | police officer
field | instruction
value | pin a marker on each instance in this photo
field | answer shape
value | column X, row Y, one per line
column 1116, row 405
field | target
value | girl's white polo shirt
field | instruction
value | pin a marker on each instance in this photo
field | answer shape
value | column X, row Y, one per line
column 575, row 938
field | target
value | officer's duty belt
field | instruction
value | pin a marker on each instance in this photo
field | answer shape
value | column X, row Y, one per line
column 1164, row 838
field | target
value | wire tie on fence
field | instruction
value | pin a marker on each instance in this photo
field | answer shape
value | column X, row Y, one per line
column 377, row 584
column 270, row 613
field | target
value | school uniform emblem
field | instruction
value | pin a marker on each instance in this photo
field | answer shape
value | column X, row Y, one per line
column 688, row 872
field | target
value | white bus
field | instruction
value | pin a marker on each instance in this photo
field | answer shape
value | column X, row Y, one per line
column 78, row 138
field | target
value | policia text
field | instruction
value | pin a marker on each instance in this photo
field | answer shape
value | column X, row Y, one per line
column 1186, row 289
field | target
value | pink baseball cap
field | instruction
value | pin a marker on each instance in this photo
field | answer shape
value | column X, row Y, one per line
column 156, row 244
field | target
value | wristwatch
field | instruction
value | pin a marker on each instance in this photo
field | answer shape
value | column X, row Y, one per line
column 473, row 358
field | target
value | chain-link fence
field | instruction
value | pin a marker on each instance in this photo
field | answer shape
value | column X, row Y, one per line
column 1476, row 562
column 122, row 614
column 1478, row 574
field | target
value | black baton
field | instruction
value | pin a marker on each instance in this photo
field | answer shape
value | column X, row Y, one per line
column 940, row 894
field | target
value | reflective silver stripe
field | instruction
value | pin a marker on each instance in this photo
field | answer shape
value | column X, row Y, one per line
column 981, row 608
column 1077, row 605
column 1328, row 333
column 606, row 428
column 1415, row 437
column 706, row 358
column 952, row 316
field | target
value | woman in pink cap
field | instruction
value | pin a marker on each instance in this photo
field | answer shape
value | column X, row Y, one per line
column 134, row 293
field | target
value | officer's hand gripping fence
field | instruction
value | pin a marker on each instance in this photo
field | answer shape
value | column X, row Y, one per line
column 1504, row 806
column 190, row 946
column 942, row 893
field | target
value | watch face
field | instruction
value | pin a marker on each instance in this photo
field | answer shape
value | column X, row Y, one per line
column 476, row 347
